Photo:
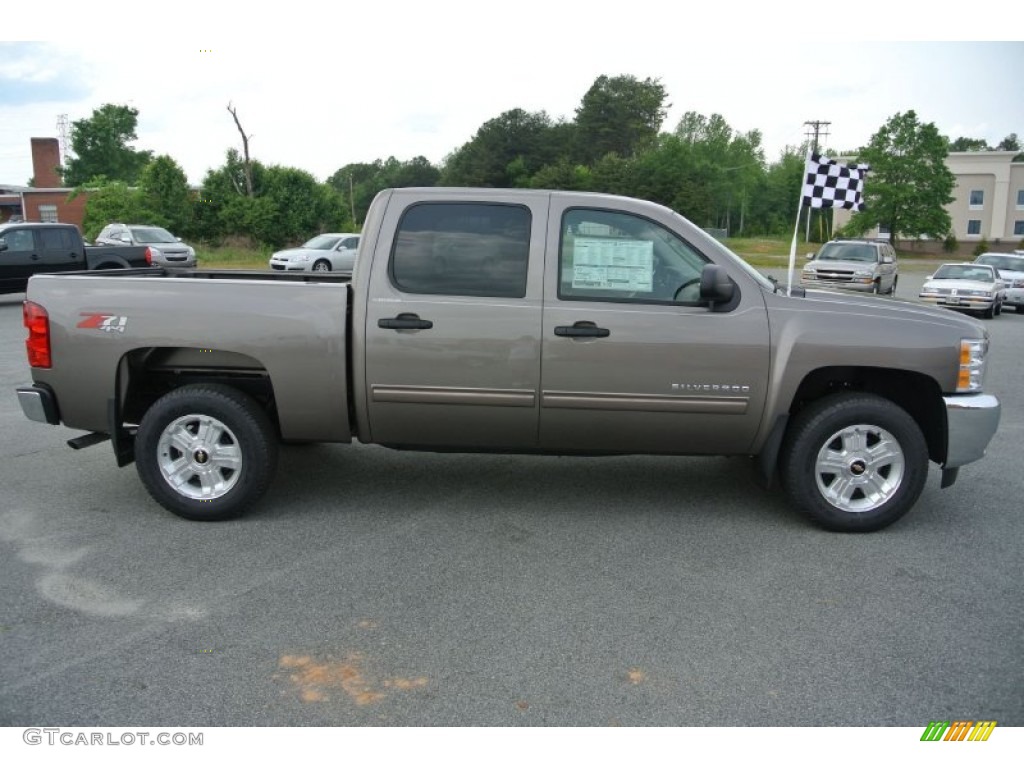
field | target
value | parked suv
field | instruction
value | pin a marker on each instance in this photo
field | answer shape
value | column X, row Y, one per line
column 859, row 265
column 168, row 250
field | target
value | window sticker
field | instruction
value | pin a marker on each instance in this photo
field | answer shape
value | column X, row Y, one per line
column 615, row 265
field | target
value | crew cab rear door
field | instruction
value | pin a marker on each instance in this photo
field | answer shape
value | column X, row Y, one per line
column 61, row 249
column 452, row 321
column 631, row 361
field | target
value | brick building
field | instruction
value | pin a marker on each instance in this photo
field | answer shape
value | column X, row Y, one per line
column 48, row 199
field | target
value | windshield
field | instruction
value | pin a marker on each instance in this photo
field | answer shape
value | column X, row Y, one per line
column 322, row 243
column 848, row 252
column 1012, row 263
column 152, row 235
column 965, row 272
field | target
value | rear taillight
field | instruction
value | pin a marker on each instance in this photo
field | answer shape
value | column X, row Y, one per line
column 149, row 257
column 38, row 342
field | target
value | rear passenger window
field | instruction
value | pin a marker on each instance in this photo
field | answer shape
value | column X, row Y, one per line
column 56, row 239
column 462, row 249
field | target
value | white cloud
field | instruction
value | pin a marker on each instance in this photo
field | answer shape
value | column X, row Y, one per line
column 318, row 90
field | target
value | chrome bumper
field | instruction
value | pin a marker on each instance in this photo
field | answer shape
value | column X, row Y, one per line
column 38, row 404
column 971, row 422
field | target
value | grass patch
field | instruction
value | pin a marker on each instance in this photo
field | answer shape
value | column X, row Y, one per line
column 232, row 257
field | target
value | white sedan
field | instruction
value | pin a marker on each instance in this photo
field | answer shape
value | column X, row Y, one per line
column 967, row 287
column 330, row 252
column 1011, row 270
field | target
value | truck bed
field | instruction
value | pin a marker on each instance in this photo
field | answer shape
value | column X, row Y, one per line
column 282, row 334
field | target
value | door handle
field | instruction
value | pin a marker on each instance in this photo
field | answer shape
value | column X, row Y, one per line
column 406, row 321
column 582, row 328
column 35, row 257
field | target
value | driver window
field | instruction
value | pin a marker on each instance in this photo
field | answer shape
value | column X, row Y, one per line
column 615, row 256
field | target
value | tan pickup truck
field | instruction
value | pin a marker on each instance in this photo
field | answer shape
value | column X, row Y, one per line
column 517, row 321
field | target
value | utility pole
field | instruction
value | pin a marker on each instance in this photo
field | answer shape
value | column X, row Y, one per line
column 815, row 129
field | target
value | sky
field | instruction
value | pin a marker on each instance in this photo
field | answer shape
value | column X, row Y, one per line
column 319, row 86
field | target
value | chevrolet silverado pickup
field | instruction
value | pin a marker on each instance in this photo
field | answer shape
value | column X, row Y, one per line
column 28, row 249
column 518, row 321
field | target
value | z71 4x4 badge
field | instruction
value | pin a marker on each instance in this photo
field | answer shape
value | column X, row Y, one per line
column 108, row 323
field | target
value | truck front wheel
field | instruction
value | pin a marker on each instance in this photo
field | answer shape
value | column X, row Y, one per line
column 206, row 451
column 855, row 462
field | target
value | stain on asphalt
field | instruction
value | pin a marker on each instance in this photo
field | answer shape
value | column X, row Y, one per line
column 316, row 680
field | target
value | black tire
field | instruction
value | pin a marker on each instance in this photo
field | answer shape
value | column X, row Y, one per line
column 1020, row 309
column 873, row 484
column 233, row 447
column 892, row 289
column 989, row 313
column 322, row 265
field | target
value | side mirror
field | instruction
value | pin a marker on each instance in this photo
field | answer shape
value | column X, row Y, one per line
column 809, row 256
column 3, row 245
column 178, row 239
column 125, row 239
column 715, row 285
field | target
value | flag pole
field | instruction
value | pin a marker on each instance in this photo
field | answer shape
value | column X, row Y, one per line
column 796, row 227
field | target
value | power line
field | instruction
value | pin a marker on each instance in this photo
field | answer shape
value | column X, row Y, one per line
column 815, row 127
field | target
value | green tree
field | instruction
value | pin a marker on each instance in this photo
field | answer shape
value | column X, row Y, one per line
column 165, row 191
column 359, row 183
column 1010, row 144
column 111, row 201
column 101, row 147
column 619, row 114
column 909, row 181
column 505, row 151
column 964, row 144
column 287, row 206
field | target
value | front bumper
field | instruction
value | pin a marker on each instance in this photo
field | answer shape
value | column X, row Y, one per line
column 38, row 404
column 1014, row 297
column 290, row 266
column 965, row 303
column 971, row 421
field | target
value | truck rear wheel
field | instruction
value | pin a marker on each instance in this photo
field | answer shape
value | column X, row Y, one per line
column 206, row 452
column 855, row 462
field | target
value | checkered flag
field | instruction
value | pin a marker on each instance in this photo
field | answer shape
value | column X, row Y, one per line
column 828, row 184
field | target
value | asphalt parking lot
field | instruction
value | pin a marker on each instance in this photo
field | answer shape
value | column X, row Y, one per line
column 373, row 587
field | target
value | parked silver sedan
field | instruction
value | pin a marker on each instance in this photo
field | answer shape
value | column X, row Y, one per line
column 329, row 252
column 967, row 287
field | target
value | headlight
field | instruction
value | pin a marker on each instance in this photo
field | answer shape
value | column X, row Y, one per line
column 972, row 365
column 156, row 252
column 191, row 252
column 862, row 273
column 302, row 257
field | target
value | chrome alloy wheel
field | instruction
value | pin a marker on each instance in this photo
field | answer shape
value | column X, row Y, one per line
column 199, row 457
column 859, row 468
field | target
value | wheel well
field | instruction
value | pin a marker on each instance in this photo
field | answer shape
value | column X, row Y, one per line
column 146, row 375
column 917, row 394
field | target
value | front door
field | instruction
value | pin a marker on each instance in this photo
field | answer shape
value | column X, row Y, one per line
column 19, row 259
column 631, row 361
